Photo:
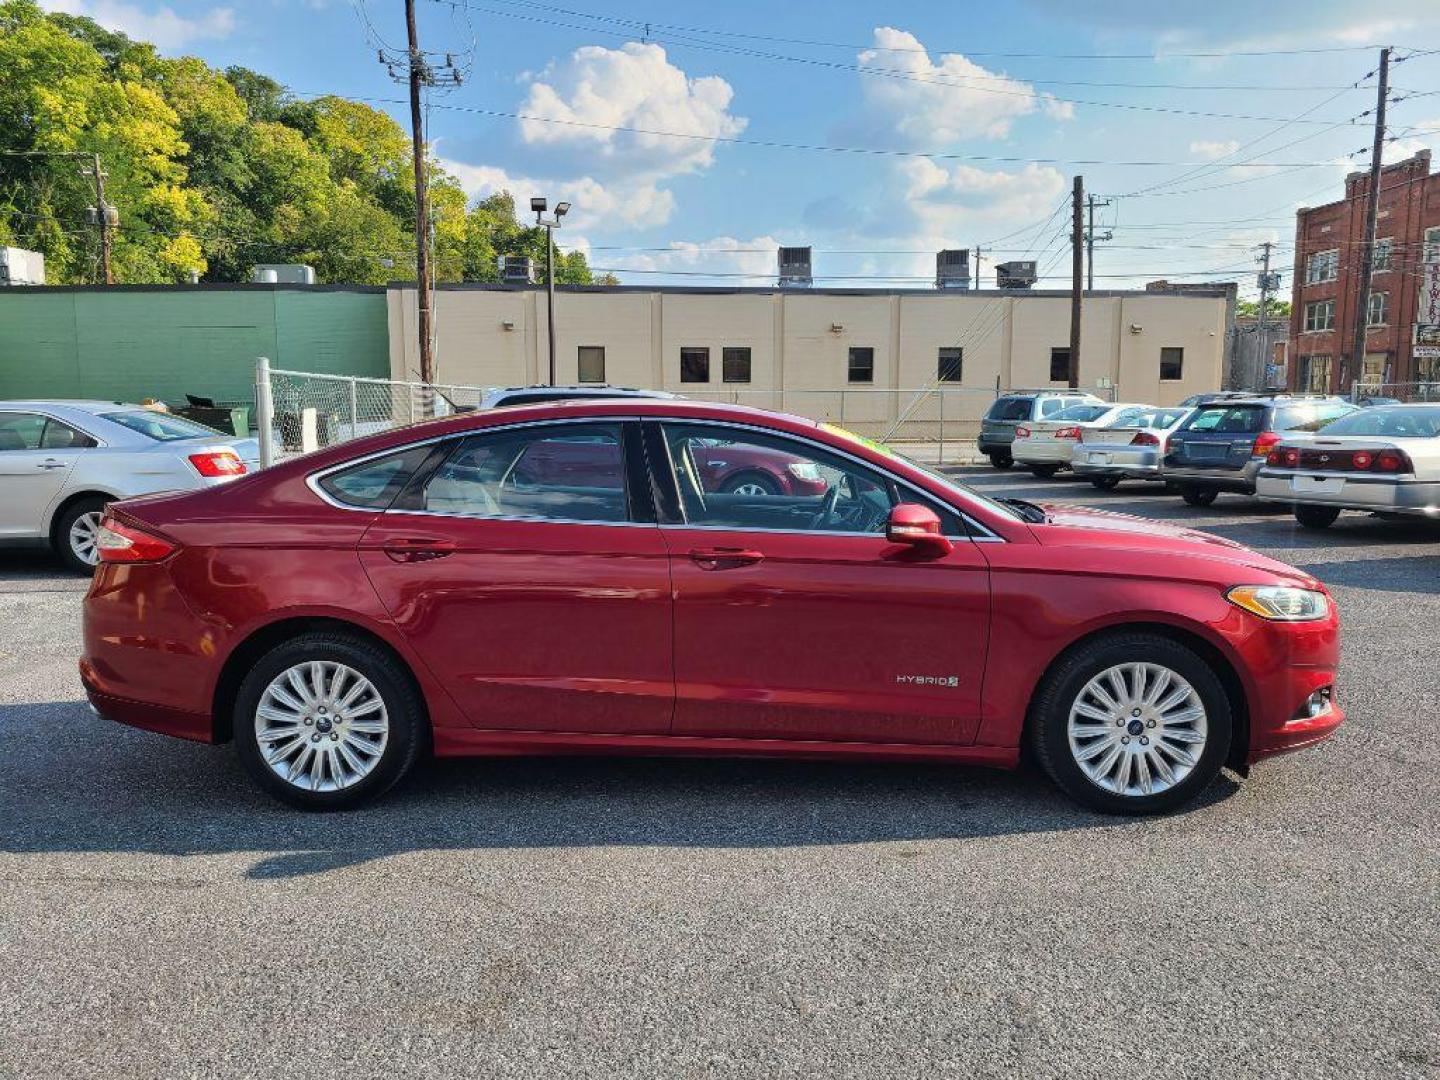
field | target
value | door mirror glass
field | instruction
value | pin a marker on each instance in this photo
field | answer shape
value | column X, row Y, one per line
column 916, row 526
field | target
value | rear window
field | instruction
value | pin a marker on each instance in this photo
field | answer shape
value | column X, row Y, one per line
column 162, row 427
column 1081, row 412
column 1310, row 417
column 1010, row 408
column 1394, row 421
column 374, row 484
column 1229, row 419
column 1148, row 418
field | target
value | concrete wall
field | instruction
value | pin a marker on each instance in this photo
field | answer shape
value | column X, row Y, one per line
column 800, row 342
column 131, row 343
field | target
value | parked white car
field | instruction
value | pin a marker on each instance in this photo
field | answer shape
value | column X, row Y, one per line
column 62, row 461
column 1129, row 446
column 1044, row 446
column 1384, row 459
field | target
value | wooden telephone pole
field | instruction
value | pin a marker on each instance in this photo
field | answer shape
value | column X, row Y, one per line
column 417, row 78
column 1367, row 244
column 1077, row 276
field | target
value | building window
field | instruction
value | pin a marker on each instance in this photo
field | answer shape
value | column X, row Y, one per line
column 1372, row 371
column 695, row 364
column 735, row 363
column 1320, row 315
column 591, row 363
column 1427, row 368
column 862, row 363
column 1060, row 365
column 1172, row 364
column 1380, row 255
column 1432, row 244
column 951, row 364
column 1379, row 313
column 1322, row 266
column 1314, row 374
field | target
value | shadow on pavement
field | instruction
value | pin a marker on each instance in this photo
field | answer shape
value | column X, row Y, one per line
column 70, row 782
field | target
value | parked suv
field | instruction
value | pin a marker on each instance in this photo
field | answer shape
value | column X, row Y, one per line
column 1222, row 445
column 997, row 429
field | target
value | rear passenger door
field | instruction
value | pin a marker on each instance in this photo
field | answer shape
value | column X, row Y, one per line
column 527, row 570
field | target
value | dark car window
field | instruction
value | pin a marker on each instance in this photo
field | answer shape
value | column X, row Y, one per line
column 1081, row 413
column 1229, row 419
column 566, row 472
column 1394, row 421
column 1310, row 417
column 374, row 484
column 1010, row 408
column 21, row 431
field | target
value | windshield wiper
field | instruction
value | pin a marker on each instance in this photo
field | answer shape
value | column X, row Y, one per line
column 1028, row 510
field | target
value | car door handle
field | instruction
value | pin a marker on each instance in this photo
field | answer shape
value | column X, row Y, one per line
column 50, row 463
column 724, row 558
column 418, row 549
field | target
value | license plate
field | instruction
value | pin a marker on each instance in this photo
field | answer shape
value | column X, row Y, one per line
column 1317, row 485
column 1099, row 459
column 1208, row 451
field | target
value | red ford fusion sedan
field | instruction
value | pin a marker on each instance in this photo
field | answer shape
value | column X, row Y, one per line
column 435, row 589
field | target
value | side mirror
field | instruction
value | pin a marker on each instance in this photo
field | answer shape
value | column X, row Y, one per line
column 916, row 526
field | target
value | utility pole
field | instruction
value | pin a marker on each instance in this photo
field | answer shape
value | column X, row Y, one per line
column 1077, row 281
column 1267, row 283
column 1372, row 206
column 418, row 76
column 1091, row 203
column 978, row 256
column 103, row 215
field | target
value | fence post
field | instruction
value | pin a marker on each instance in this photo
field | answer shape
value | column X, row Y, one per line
column 265, row 411
column 354, row 411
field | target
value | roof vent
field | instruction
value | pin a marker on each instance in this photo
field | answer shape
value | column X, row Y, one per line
column 952, row 268
column 517, row 270
column 795, row 268
column 1019, row 274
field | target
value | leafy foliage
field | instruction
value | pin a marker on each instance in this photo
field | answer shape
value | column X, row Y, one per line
column 216, row 171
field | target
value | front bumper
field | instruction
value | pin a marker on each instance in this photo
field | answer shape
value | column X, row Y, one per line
column 1348, row 491
column 1285, row 663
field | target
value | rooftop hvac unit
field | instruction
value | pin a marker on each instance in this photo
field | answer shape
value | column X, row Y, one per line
column 795, row 268
column 21, row 267
column 284, row 273
column 517, row 270
column 952, row 268
column 1015, row 275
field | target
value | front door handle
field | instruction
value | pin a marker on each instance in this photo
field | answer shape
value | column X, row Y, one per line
column 50, row 463
column 418, row 549
column 724, row 558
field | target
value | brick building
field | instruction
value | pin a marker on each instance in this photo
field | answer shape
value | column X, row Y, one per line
column 1328, row 246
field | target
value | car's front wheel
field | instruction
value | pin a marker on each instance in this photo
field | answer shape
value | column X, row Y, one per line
column 76, row 534
column 1133, row 723
column 1316, row 517
column 326, row 721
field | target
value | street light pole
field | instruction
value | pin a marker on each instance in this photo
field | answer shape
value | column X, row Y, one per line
column 539, row 205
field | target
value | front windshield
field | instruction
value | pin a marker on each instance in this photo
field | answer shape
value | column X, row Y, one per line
column 949, row 482
column 162, row 427
column 1395, row 421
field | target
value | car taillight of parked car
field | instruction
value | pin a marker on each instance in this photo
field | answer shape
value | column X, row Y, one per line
column 1264, row 443
column 1287, row 456
column 220, row 463
column 1145, row 438
column 1389, row 461
column 117, row 543
column 1022, row 432
column 1068, row 433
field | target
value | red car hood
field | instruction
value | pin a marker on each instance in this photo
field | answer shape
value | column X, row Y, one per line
column 1081, row 526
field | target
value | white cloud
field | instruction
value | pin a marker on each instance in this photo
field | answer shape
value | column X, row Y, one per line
column 1408, row 146
column 721, row 255
column 927, row 102
column 634, row 86
column 161, row 26
column 960, row 204
column 630, row 203
column 1210, row 149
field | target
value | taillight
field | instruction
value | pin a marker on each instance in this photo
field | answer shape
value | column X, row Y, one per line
column 126, row 544
column 1263, row 443
column 1361, row 459
column 1283, row 455
column 1068, row 433
column 1022, row 432
column 1393, row 461
column 1144, row 438
column 218, row 463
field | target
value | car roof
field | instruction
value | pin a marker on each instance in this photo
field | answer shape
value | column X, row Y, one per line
column 78, row 404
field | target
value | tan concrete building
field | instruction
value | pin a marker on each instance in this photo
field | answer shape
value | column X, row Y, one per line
column 848, row 355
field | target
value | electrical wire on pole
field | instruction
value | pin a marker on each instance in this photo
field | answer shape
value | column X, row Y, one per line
column 1090, row 204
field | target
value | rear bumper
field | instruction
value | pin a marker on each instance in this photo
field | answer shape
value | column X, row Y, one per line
column 1042, row 452
column 137, row 714
column 1104, row 461
column 994, row 441
column 1390, row 494
column 1241, row 480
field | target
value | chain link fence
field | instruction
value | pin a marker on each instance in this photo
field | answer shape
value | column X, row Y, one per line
column 1406, row 391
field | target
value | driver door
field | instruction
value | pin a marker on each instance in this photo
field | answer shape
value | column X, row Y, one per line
column 794, row 617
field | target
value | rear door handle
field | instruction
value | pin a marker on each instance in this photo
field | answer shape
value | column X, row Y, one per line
column 725, row 558
column 418, row 549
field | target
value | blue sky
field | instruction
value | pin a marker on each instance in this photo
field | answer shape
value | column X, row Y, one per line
column 974, row 147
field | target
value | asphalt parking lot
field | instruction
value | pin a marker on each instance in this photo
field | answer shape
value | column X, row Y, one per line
column 594, row 917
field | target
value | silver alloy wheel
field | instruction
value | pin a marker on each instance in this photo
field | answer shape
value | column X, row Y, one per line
column 750, row 488
column 84, row 531
column 321, row 726
column 1137, row 729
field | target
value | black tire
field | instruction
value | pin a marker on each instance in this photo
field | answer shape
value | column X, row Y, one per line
column 403, row 704
column 1067, row 677
column 1197, row 496
column 1105, row 483
column 60, row 537
column 1044, row 472
column 767, row 484
column 1001, row 461
column 1316, row 517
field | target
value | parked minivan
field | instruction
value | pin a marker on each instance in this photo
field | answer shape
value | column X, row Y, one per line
column 997, row 429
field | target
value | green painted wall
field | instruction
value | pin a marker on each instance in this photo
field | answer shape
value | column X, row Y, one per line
column 129, row 344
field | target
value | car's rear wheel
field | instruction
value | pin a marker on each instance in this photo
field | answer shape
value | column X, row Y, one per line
column 1105, row 483
column 751, row 483
column 1198, row 496
column 1044, row 471
column 326, row 721
column 1316, row 517
column 1001, row 461
column 76, row 534
column 1133, row 723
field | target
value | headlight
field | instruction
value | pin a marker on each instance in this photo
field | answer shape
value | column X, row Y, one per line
column 1282, row 603
column 804, row 470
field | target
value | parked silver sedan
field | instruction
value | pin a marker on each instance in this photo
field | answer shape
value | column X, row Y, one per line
column 1128, row 446
column 1385, row 460
column 62, row 461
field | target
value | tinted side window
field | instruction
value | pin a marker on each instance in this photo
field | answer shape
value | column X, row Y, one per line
column 1010, row 408
column 569, row 472
column 1309, row 417
column 60, row 436
column 21, row 431
column 1050, row 406
column 373, row 485
column 1243, row 420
